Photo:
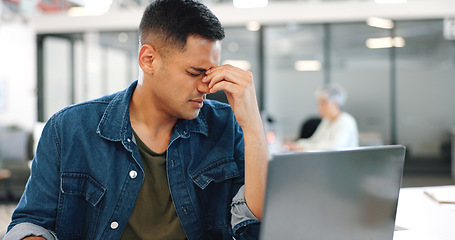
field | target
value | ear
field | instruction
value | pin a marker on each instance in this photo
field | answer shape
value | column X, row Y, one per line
column 147, row 56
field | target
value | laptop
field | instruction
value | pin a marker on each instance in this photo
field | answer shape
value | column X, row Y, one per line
column 343, row 195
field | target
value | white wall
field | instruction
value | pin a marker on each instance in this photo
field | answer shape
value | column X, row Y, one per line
column 18, row 75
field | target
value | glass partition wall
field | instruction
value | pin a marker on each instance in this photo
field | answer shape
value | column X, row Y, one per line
column 364, row 72
column 294, row 59
column 401, row 94
column 425, row 72
column 76, row 67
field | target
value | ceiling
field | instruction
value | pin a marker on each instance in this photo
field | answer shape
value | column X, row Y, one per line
column 52, row 6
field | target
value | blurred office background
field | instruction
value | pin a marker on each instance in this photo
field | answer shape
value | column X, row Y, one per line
column 395, row 59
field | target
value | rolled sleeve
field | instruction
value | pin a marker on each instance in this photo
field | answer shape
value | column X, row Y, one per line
column 26, row 229
column 241, row 214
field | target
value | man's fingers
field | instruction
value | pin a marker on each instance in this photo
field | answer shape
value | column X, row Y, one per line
column 227, row 73
column 223, row 85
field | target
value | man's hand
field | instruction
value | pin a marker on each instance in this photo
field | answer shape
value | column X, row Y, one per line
column 238, row 85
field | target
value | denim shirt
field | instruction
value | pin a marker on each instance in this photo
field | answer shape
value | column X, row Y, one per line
column 87, row 173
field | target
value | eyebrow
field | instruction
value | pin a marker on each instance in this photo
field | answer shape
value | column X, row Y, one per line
column 199, row 69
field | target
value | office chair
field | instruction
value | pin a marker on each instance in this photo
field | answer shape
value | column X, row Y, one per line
column 309, row 127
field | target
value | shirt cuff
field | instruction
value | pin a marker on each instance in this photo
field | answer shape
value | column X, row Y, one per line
column 26, row 229
column 241, row 214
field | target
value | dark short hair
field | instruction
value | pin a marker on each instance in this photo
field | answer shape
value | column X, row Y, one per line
column 168, row 23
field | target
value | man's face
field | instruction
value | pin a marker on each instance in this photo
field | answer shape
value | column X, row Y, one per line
column 176, row 83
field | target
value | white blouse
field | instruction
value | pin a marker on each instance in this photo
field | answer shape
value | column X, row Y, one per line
column 342, row 133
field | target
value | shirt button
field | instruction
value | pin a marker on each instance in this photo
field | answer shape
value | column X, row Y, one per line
column 114, row 225
column 129, row 140
column 133, row 174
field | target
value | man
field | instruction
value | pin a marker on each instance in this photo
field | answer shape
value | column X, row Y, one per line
column 157, row 160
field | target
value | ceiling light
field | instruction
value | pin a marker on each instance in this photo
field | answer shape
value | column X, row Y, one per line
column 76, row 11
column 98, row 7
column 250, row 3
column 380, row 23
column 387, row 42
column 398, row 42
column 253, row 26
column 308, row 65
column 242, row 64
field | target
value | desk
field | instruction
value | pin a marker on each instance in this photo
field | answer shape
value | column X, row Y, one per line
column 423, row 217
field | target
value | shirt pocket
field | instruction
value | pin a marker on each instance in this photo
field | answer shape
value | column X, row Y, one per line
column 81, row 184
column 79, row 206
column 217, row 172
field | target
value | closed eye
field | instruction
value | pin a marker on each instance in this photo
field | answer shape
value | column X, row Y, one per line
column 194, row 74
column 196, row 71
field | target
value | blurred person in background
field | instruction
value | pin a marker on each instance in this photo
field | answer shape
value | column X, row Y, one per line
column 337, row 130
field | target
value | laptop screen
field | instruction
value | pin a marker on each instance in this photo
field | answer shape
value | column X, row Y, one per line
column 348, row 194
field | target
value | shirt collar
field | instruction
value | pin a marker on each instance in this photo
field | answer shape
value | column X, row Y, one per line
column 115, row 124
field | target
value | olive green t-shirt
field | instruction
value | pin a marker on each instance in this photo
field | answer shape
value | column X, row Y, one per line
column 154, row 215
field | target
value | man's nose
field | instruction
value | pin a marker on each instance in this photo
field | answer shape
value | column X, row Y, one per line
column 203, row 87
